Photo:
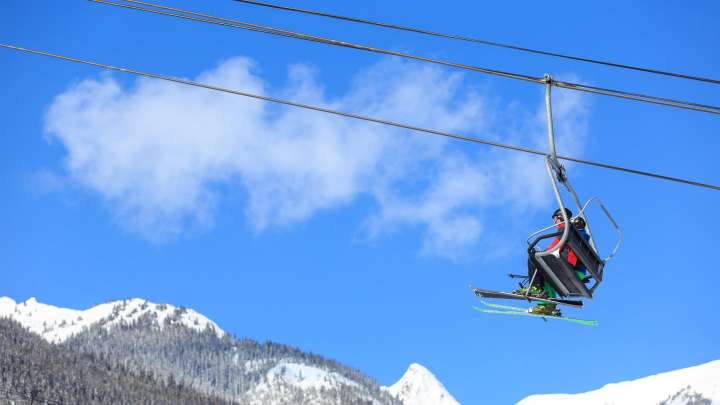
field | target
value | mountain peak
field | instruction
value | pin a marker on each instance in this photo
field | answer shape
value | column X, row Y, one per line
column 418, row 386
column 56, row 324
column 419, row 369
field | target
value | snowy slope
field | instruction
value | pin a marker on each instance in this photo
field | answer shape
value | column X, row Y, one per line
column 685, row 386
column 304, row 376
column 57, row 324
column 418, row 386
column 286, row 374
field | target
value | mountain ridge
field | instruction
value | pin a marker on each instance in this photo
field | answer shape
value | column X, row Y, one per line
column 180, row 344
column 56, row 324
column 176, row 345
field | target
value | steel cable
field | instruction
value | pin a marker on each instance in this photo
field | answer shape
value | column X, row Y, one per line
column 361, row 117
column 478, row 41
column 199, row 17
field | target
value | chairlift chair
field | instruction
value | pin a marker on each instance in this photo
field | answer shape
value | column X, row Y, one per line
column 553, row 263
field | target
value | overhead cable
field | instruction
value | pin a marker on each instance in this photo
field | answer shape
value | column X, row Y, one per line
column 360, row 117
column 478, row 41
column 205, row 18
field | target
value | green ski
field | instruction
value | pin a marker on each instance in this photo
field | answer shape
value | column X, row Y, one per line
column 522, row 312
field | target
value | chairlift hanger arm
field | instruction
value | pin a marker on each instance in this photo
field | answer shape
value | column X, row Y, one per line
column 554, row 169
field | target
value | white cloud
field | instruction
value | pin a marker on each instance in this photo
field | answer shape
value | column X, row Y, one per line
column 466, row 190
column 160, row 154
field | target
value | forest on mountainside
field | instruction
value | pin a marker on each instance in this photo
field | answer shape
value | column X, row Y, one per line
column 142, row 361
column 227, row 367
column 33, row 371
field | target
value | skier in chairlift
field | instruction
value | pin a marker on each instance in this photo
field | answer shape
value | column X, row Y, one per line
column 540, row 287
column 580, row 225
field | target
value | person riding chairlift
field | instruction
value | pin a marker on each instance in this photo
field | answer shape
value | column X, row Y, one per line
column 580, row 225
column 541, row 287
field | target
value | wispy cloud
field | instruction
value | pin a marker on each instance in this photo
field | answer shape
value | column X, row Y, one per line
column 160, row 154
column 45, row 181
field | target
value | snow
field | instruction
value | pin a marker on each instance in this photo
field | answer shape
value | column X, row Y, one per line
column 288, row 372
column 304, row 376
column 703, row 379
column 56, row 324
column 255, row 365
column 418, row 386
column 7, row 306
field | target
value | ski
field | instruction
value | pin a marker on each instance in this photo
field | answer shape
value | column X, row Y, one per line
column 505, row 295
column 586, row 322
column 506, row 307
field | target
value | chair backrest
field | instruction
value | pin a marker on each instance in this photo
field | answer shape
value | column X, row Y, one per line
column 585, row 253
column 561, row 275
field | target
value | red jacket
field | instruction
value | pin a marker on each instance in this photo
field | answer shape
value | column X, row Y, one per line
column 571, row 258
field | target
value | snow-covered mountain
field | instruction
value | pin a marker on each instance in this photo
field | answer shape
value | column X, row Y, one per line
column 284, row 375
column 698, row 385
column 277, row 374
column 299, row 376
column 418, row 386
column 304, row 376
column 56, row 324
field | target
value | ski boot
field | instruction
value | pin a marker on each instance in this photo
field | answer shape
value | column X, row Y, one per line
column 545, row 309
column 534, row 292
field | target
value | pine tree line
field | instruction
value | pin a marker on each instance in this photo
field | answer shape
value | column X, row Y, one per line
column 230, row 368
column 688, row 397
column 33, row 371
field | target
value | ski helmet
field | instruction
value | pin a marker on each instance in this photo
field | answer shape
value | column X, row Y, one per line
column 558, row 213
column 579, row 223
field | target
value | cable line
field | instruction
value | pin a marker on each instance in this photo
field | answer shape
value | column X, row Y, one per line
column 199, row 17
column 360, row 117
column 476, row 40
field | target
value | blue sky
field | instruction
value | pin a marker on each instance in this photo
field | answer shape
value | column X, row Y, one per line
column 355, row 241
